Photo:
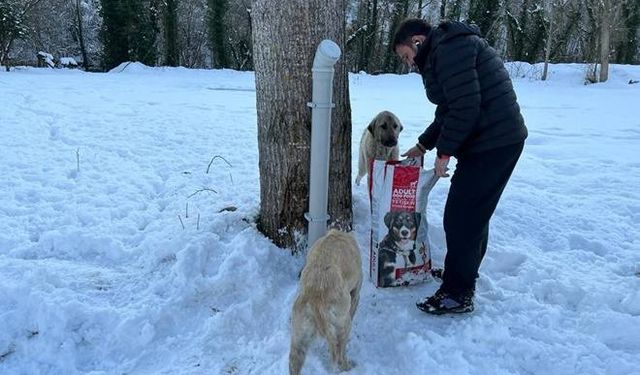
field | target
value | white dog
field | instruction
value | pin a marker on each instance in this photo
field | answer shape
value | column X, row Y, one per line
column 379, row 142
column 327, row 299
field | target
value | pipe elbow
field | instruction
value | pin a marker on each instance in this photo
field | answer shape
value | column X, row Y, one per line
column 327, row 55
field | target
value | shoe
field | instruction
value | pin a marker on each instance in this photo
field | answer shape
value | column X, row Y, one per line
column 436, row 273
column 446, row 303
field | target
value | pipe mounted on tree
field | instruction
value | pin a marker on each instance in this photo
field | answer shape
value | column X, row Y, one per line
column 326, row 56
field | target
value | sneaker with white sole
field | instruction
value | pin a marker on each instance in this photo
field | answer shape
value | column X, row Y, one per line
column 446, row 303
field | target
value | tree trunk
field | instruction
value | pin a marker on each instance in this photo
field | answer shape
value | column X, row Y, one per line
column 605, row 40
column 218, row 33
column 371, row 38
column 547, row 54
column 172, row 56
column 364, row 10
column 550, row 29
column 5, row 54
column 5, row 61
column 285, row 38
column 340, row 202
column 83, row 48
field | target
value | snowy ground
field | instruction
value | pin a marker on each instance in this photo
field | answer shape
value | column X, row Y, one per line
column 98, row 275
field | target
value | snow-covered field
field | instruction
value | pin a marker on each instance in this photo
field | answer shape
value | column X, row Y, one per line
column 99, row 276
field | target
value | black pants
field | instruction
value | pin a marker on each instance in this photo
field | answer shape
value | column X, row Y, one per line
column 476, row 186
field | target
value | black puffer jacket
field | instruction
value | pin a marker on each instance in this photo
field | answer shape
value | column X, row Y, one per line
column 476, row 104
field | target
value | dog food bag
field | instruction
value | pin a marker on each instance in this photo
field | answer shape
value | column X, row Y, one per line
column 400, row 250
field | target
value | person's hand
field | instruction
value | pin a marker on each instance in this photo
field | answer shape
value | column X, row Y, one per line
column 440, row 165
column 414, row 152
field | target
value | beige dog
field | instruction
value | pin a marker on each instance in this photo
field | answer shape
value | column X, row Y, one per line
column 327, row 298
column 379, row 142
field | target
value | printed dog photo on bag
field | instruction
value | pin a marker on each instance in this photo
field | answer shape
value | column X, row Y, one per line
column 398, row 248
column 400, row 252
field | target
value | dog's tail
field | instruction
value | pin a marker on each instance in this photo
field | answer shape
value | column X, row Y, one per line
column 301, row 335
column 322, row 286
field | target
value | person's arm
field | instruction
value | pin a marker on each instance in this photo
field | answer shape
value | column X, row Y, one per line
column 430, row 136
column 455, row 68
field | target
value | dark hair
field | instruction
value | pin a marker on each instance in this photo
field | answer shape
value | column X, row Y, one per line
column 408, row 28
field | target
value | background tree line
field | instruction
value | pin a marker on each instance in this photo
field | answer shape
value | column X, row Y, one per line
column 101, row 34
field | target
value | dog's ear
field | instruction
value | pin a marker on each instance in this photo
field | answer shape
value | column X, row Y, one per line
column 418, row 217
column 388, row 218
column 400, row 127
column 372, row 126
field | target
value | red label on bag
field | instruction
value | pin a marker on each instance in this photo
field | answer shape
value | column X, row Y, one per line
column 414, row 270
column 405, row 183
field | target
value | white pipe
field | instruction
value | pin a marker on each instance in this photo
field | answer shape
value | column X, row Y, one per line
column 327, row 55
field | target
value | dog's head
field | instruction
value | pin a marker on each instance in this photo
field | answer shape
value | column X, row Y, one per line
column 385, row 128
column 403, row 226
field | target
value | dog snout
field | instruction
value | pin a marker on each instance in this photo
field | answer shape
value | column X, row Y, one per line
column 390, row 142
column 404, row 233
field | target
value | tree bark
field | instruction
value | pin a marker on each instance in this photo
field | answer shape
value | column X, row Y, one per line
column 218, row 32
column 605, row 41
column 5, row 57
column 83, row 48
column 285, row 38
column 372, row 40
column 550, row 31
column 363, row 21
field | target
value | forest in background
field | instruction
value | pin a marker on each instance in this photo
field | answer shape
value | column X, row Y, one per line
column 101, row 34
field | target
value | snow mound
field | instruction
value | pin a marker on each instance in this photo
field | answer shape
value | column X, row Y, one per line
column 131, row 67
column 68, row 61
